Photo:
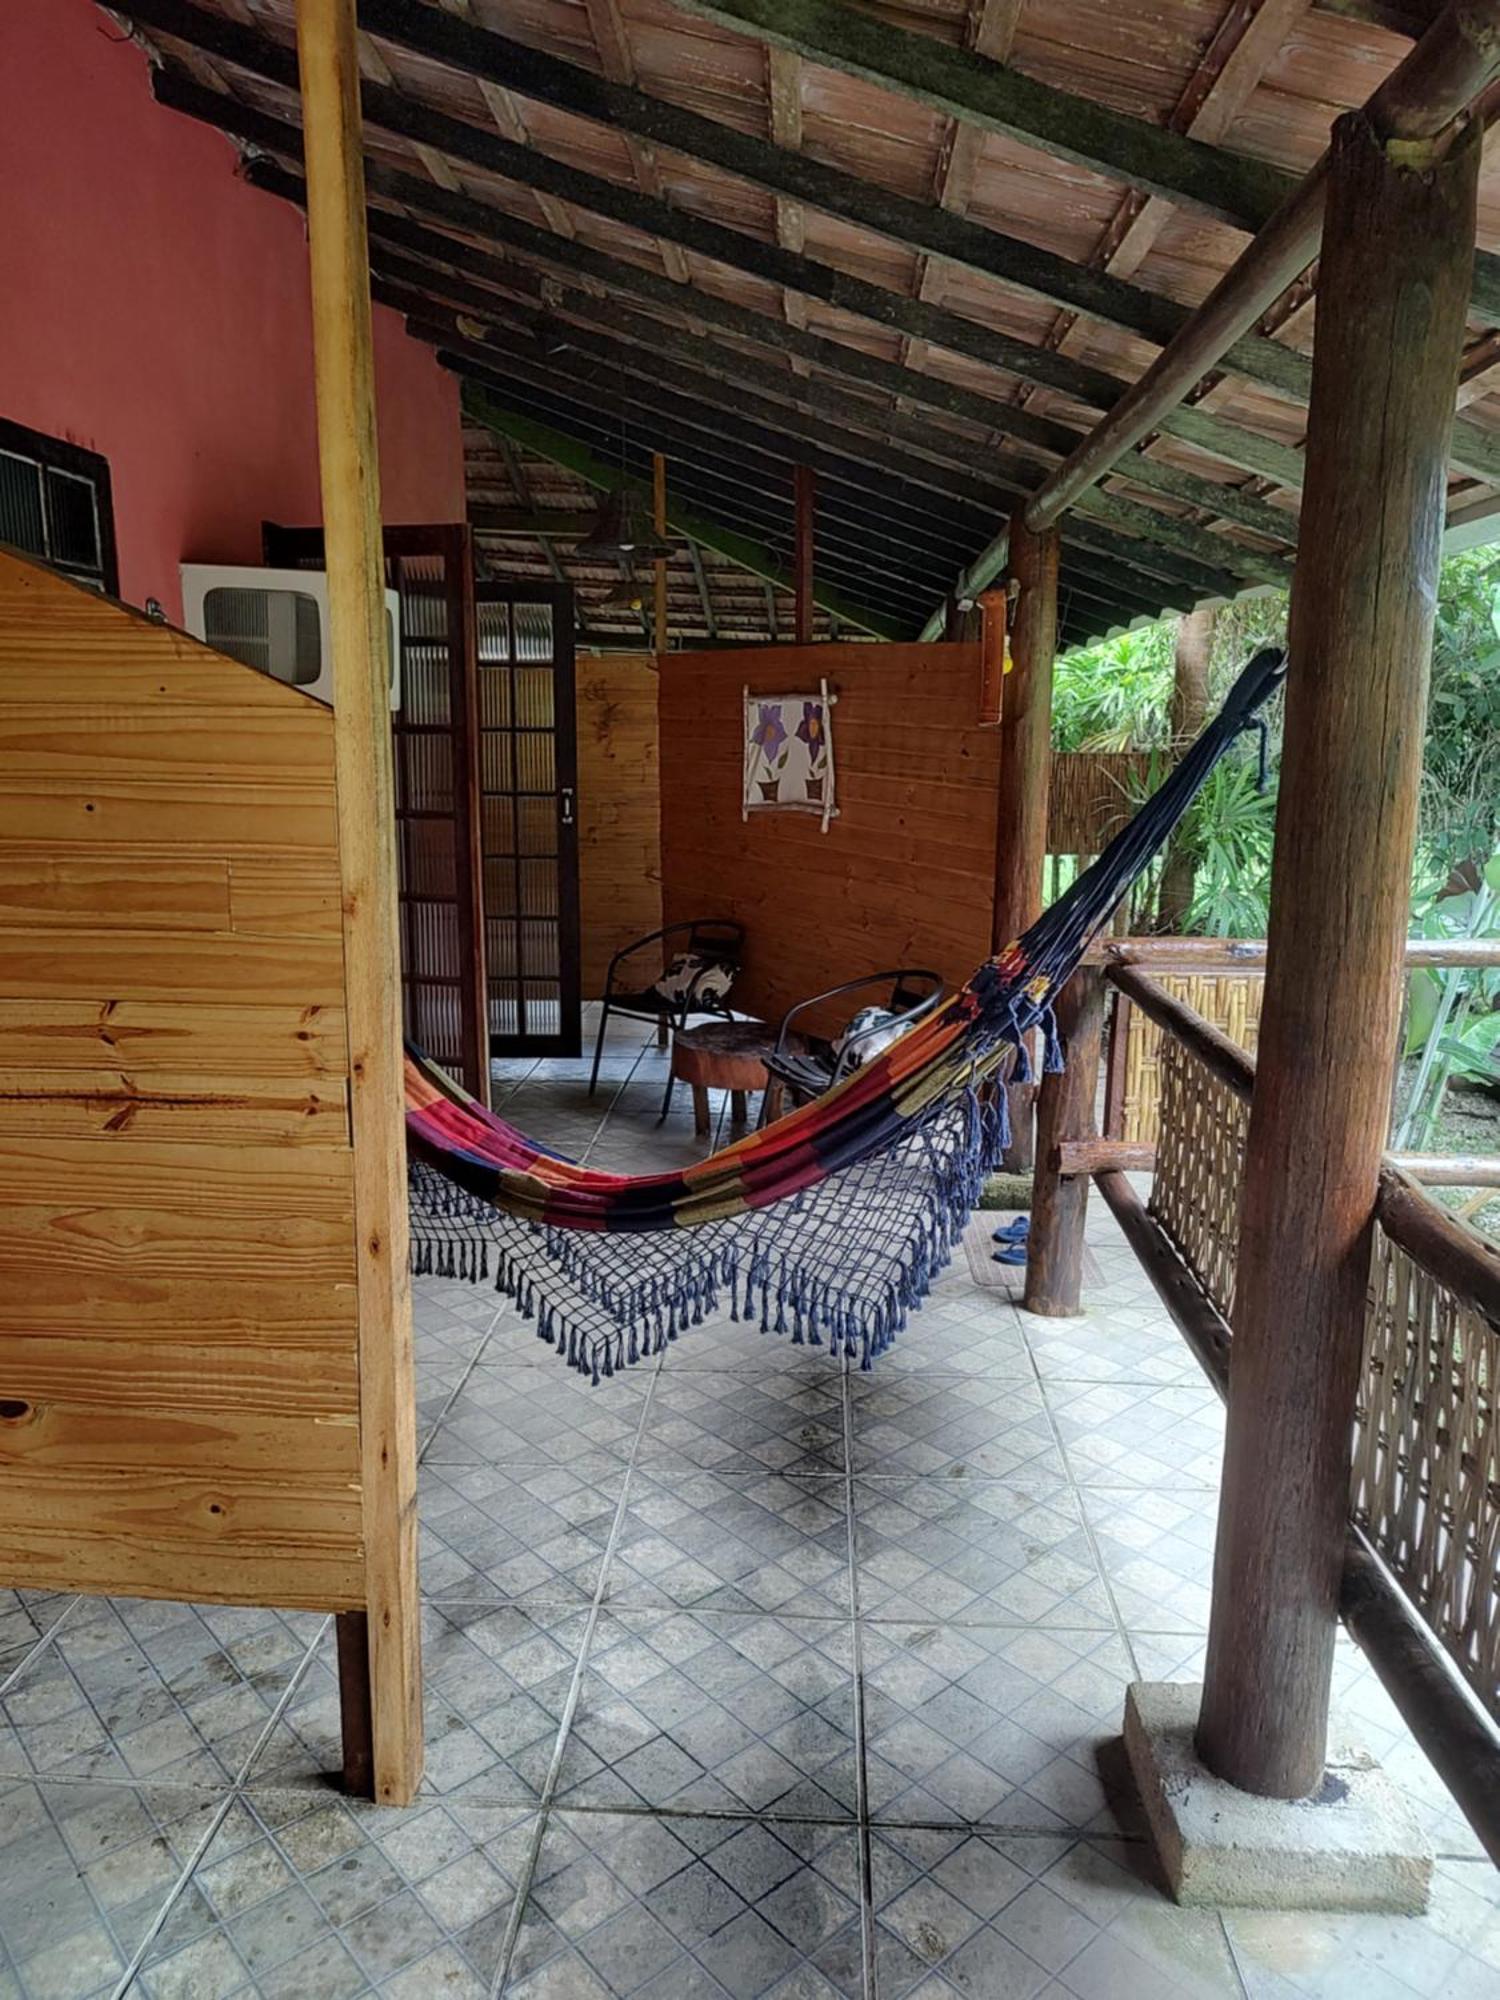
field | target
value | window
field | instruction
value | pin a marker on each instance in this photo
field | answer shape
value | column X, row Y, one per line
column 55, row 503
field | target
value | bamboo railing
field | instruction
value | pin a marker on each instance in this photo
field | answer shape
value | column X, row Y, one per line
column 1422, row 1570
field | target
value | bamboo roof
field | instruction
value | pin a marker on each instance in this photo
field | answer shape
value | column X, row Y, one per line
column 748, row 232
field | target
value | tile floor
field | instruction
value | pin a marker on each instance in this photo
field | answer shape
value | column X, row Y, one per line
column 745, row 1677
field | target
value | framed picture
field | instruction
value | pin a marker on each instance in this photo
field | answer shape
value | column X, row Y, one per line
column 789, row 754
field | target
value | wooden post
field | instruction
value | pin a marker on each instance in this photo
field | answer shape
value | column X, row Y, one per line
column 349, row 468
column 993, row 611
column 1195, row 641
column 659, row 566
column 805, row 493
column 1392, row 292
column 1065, row 1110
column 1025, row 770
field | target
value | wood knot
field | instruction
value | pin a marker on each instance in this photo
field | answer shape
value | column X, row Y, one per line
column 14, row 1410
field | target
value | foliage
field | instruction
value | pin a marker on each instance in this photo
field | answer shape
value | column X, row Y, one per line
column 1452, row 1020
column 1117, row 696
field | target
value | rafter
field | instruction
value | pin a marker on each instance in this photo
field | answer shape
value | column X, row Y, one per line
column 547, row 442
column 1246, row 449
column 938, row 231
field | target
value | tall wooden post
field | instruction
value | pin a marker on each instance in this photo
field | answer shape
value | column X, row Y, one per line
column 1065, row 1110
column 805, row 490
column 659, row 567
column 1195, row 641
column 349, row 467
column 1392, row 294
column 1025, row 770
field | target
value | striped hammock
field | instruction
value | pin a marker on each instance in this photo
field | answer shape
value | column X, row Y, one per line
column 830, row 1224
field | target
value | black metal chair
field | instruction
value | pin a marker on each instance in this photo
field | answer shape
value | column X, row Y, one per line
column 807, row 1065
column 719, row 940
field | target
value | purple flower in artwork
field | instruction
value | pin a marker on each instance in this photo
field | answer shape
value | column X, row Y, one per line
column 769, row 733
column 811, row 731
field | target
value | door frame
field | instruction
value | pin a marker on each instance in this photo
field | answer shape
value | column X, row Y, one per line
column 568, row 1041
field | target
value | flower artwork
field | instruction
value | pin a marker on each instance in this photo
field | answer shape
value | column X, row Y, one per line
column 789, row 753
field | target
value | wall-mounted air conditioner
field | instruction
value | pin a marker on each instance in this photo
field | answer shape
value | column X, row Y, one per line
column 275, row 620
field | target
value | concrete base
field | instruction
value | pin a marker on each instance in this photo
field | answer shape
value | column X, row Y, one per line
column 1356, row 1846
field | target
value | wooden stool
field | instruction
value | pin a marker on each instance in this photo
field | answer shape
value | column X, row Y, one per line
column 725, row 1055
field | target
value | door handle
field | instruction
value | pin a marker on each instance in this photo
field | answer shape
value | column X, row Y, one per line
column 565, row 797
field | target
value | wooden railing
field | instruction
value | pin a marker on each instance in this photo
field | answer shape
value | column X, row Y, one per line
column 1422, row 1569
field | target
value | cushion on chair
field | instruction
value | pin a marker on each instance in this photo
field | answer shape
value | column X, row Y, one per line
column 706, row 977
column 869, row 1033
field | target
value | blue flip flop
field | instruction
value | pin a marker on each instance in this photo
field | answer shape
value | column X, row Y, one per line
column 1014, row 1232
column 1013, row 1253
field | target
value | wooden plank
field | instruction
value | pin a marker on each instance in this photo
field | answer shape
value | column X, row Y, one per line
column 116, row 891
column 160, row 1381
column 68, row 648
column 111, row 1528
column 290, row 895
column 79, row 965
column 211, row 1110
column 152, row 1036
column 179, row 811
column 226, row 744
column 234, row 1306
column 348, row 457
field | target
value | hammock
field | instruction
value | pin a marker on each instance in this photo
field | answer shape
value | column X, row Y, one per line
column 829, row 1225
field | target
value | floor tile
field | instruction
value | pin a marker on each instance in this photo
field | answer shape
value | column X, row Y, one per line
column 1126, row 1434
column 705, row 1712
column 528, row 1533
column 733, row 1541
column 496, row 1681
column 543, row 1415
column 700, row 1909
column 976, row 1551
column 1157, row 1548
column 85, row 1869
column 955, row 1427
column 785, row 1419
column 149, row 1691
column 336, row 1898
column 990, row 1725
column 25, row 1617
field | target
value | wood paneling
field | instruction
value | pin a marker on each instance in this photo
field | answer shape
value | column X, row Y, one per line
column 905, row 873
column 179, row 1378
column 619, row 808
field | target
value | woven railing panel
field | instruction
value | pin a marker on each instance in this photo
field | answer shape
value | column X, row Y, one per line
column 1200, row 1168
column 1427, row 1458
column 1229, row 1000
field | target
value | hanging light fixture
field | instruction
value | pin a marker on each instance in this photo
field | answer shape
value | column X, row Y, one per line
column 623, row 527
column 626, row 593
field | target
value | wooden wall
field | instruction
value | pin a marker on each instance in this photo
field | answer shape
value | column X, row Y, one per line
column 619, row 807
column 904, row 875
column 179, row 1408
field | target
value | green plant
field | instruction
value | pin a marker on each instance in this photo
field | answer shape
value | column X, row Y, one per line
column 1451, row 1024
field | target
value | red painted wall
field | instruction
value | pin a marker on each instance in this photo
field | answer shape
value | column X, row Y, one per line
column 156, row 310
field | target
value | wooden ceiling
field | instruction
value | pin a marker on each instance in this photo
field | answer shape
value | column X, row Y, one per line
column 920, row 247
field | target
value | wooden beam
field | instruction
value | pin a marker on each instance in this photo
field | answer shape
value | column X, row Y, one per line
column 1025, row 775
column 1393, row 291
column 705, row 595
column 838, row 358
column 1193, row 655
column 964, row 85
column 422, row 125
column 659, row 563
column 349, row 466
column 1065, row 1110
column 574, row 457
column 1458, row 56
column 804, row 497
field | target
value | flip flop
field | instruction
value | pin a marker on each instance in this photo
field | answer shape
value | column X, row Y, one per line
column 1014, row 1232
column 1014, row 1253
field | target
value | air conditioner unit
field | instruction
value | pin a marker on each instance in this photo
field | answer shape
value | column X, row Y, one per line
column 276, row 620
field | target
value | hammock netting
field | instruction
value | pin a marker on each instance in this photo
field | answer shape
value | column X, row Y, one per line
column 828, row 1226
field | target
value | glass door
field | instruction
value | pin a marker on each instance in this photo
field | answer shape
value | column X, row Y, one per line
column 528, row 779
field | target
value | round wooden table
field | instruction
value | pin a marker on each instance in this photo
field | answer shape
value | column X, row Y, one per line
column 726, row 1055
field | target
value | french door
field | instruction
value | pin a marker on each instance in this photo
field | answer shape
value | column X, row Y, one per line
column 434, row 740
column 528, row 790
